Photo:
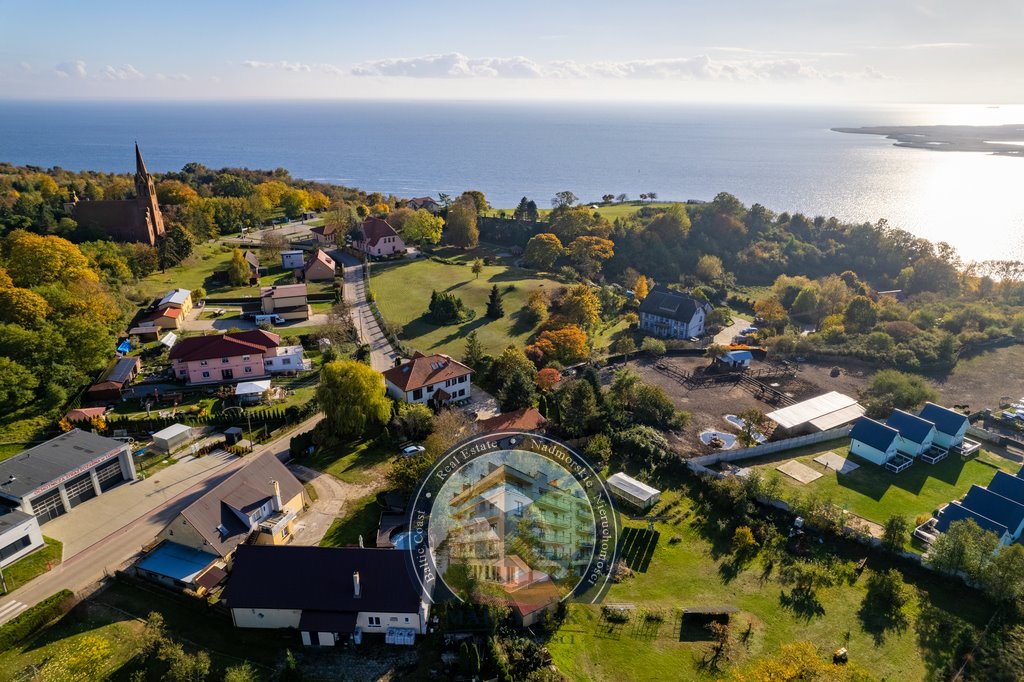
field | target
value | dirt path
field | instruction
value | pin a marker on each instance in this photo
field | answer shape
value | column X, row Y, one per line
column 332, row 496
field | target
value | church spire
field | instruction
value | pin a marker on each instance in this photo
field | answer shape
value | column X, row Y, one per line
column 140, row 165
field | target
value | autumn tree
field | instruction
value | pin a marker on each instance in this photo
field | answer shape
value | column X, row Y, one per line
column 567, row 345
column 536, row 310
column 23, row 307
column 449, row 427
column 478, row 199
column 174, row 193
column 589, row 253
column 462, row 228
column 548, row 378
column 543, row 251
column 34, row 259
column 238, row 269
column 477, row 267
column 352, row 397
column 423, row 227
column 580, row 306
column 640, row 288
column 710, row 269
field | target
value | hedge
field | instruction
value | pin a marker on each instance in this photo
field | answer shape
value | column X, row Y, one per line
column 33, row 619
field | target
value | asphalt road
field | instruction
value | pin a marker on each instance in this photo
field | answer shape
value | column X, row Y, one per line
column 382, row 355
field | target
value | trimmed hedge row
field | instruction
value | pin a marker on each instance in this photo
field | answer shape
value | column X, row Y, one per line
column 33, row 619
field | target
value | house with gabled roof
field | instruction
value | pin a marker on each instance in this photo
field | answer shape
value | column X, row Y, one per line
column 223, row 357
column 118, row 374
column 428, row 203
column 955, row 511
column 672, row 314
column 254, row 264
column 257, row 503
column 288, row 301
column 319, row 268
column 873, row 440
column 950, row 426
column 994, row 506
column 378, row 239
column 916, row 434
column 1010, row 487
column 429, row 379
column 324, row 235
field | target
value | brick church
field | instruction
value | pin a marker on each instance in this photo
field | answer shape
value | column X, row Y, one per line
column 130, row 220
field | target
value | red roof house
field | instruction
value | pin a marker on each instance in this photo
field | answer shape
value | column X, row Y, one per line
column 379, row 239
column 222, row 357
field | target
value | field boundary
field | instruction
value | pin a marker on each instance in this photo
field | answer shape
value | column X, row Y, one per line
column 700, row 464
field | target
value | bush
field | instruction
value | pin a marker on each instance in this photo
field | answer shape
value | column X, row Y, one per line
column 33, row 619
column 653, row 346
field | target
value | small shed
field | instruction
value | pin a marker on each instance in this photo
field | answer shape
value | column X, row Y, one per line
column 633, row 491
column 146, row 332
column 249, row 392
column 293, row 260
column 233, row 435
column 736, row 359
column 170, row 338
column 173, row 437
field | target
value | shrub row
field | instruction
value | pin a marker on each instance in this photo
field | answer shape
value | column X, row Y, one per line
column 33, row 619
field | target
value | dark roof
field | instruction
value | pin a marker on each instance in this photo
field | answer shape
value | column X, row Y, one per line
column 675, row 305
column 48, row 461
column 223, row 345
column 423, row 370
column 213, row 577
column 245, row 490
column 994, row 506
column 874, row 434
column 911, row 427
column 946, row 420
column 375, row 229
column 320, row 579
column 252, row 259
column 328, row 621
column 319, row 256
column 1008, row 486
column 122, row 369
column 954, row 511
column 283, row 290
column 9, row 518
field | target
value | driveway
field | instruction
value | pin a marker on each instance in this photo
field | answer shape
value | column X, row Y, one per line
column 158, row 500
column 194, row 324
column 382, row 355
column 332, row 496
column 725, row 337
column 482, row 404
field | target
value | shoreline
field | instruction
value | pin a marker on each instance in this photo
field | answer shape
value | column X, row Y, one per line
column 1001, row 140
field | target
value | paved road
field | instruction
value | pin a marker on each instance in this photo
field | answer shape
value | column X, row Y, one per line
column 382, row 355
column 105, row 555
column 725, row 337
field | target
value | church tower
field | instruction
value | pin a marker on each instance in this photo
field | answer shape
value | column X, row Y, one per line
column 145, row 196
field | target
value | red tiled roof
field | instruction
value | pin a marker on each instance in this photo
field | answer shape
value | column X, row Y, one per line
column 166, row 312
column 84, row 413
column 425, row 369
column 223, row 345
column 375, row 229
column 325, row 230
column 527, row 419
column 320, row 257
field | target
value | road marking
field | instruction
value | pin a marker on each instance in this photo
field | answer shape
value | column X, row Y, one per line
column 11, row 609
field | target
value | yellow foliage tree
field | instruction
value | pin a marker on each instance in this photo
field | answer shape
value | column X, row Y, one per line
column 640, row 289
column 566, row 345
column 35, row 259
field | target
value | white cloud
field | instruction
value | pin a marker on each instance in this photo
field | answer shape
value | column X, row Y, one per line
column 452, row 65
column 126, row 73
column 934, row 46
column 74, row 69
column 294, row 67
column 172, row 77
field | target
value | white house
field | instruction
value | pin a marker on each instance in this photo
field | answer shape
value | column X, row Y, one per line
column 672, row 314
column 285, row 359
column 950, row 426
column 327, row 593
column 379, row 239
column 293, row 260
column 429, row 379
column 874, row 441
column 916, row 434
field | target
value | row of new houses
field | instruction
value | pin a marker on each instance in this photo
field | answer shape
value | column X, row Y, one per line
column 905, row 437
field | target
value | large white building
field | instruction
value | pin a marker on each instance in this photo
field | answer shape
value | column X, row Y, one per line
column 672, row 314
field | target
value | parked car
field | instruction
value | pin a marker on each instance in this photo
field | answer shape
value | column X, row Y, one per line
column 412, row 449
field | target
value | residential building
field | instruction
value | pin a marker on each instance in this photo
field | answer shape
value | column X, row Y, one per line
column 955, row 511
column 165, row 318
column 84, row 414
column 285, row 359
column 830, row 410
column 19, row 535
column 1010, row 487
column 873, row 440
column 223, row 357
column 329, row 594
column 182, row 567
column 636, row 493
column 258, row 503
column 423, row 202
column 992, row 505
column 429, row 379
column 52, row 478
column 118, row 374
column 998, row 508
column 285, row 300
column 526, row 419
column 177, row 298
column 324, row 235
column 916, row 434
column 378, row 239
column 672, row 314
column 251, row 392
column 293, row 260
column 950, row 426
column 319, row 268
column 131, row 220
column 254, row 265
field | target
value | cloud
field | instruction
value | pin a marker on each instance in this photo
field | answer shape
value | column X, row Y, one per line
column 75, row 69
column 452, row 65
column 697, row 68
column 127, row 73
column 294, row 67
column 934, row 46
column 172, row 77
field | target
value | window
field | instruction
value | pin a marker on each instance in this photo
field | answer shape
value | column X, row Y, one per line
column 417, row 394
column 15, row 547
column 248, row 370
column 394, row 619
column 183, row 372
column 373, row 621
column 430, row 389
column 245, row 358
column 286, row 361
column 203, row 363
column 225, row 361
column 206, row 375
column 462, row 379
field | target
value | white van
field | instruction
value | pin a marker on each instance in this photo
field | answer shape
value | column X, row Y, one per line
column 269, row 319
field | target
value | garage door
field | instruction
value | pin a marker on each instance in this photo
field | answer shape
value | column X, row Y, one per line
column 80, row 490
column 109, row 474
column 48, row 506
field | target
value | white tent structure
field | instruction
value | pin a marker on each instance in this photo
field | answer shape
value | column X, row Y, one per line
column 170, row 338
column 251, row 391
column 633, row 491
column 821, row 413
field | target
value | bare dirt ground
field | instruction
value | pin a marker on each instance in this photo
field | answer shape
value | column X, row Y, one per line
column 332, row 496
column 980, row 381
column 709, row 405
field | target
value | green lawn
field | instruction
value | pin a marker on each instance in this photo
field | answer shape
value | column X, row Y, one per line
column 611, row 211
column 362, row 517
column 35, row 564
column 686, row 570
column 356, row 463
column 876, row 493
column 402, row 291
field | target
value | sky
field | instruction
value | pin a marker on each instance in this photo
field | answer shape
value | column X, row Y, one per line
column 812, row 51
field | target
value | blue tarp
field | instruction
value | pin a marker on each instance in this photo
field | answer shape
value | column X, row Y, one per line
column 124, row 346
column 177, row 562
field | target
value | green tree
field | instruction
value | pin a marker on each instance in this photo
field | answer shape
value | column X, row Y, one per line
column 511, row 361
column 352, row 397
column 495, row 309
column 1003, row 576
column 238, row 269
column 860, row 314
column 17, row 385
column 243, row 672
column 462, row 228
column 477, row 267
column 517, row 393
column 474, row 353
column 709, row 269
column 199, row 294
column 624, row 345
column 182, row 666
column 891, row 389
column 805, row 306
column 412, row 421
column 564, row 198
column 543, row 251
column 754, row 423
column 446, row 308
column 965, row 546
column 406, row 473
column 577, row 408
column 653, row 347
column 895, row 532
column 175, row 247
column 598, row 449
column 522, row 209
column 423, row 227
column 478, row 199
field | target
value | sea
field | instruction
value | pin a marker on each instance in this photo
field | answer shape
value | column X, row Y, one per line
column 784, row 157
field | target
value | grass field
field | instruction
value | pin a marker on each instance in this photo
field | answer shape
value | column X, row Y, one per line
column 355, row 463
column 685, row 569
column 35, row 564
column 876, row 493
column 402, row 291
column 611, row 211
column 361, row 518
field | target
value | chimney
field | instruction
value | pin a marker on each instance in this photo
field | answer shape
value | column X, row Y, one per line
column 355, row 585
column 277, row 494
